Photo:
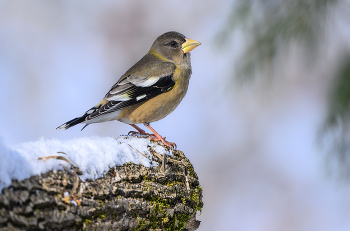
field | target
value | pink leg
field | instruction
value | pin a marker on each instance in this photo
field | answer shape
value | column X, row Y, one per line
column 159, row 137
column 140, row 131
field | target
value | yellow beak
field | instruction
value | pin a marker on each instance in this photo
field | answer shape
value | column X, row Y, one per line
column 189, row 45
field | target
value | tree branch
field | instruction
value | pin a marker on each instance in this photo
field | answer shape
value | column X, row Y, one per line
column 128, row 197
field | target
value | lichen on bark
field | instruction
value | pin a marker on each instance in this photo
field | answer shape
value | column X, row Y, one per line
column 128, row 197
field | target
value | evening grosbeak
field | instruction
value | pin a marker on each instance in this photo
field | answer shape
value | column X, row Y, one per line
column 149, row 90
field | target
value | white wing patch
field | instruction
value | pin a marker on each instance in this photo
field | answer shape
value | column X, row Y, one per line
column 140, row 97
column 147, row 82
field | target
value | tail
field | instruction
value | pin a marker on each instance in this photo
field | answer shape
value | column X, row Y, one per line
column 83, row 118
column 74, row 122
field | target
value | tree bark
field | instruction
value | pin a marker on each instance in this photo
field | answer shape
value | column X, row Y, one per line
column 128, row 197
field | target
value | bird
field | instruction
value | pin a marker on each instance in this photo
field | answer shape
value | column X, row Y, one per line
column 150, row 90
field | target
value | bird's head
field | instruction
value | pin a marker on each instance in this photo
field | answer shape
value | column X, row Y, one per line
column 173, row 46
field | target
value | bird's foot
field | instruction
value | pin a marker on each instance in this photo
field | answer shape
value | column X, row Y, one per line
column 157, row 137
column 162, row 139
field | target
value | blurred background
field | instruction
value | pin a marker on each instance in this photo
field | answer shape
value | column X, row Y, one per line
column 266, row 118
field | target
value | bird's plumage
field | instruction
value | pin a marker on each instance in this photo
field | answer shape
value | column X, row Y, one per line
column 150, row 89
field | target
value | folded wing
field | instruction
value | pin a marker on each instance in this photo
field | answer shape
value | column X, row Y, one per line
column 135, row 88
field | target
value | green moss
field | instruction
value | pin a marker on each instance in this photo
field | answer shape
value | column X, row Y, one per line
column 196, row 196
column 191, row 171
column 159, row 212
column 178, row 222
column 147, row 186
column 101, row 202
column 170, row 184
column 158, row 218
column 87, row 222
column 196, row 193
column 141, row 225
column 157, row 200
column 100, row 215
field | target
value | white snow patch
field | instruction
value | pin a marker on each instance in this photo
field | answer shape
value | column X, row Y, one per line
column 93, row 155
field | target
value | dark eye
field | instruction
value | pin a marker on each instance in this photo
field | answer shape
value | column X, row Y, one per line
column 173, row 43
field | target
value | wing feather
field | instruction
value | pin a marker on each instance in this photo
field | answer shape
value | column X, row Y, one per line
column 137, row 87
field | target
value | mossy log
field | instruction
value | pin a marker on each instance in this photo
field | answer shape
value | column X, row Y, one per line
column 128, row 197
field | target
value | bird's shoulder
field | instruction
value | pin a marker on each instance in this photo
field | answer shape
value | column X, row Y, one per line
column 146, row 72
column 149, row 66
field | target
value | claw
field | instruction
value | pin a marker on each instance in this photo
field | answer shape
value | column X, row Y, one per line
column 171, row 145
column 153, row 137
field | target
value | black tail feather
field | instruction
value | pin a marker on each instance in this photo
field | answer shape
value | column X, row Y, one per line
column 73, row 122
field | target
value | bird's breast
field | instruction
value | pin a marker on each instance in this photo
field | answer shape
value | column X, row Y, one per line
column 160, row 106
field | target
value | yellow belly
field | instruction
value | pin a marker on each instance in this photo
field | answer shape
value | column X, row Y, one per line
column 156, row 108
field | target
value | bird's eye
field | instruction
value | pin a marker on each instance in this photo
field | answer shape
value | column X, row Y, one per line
column 173, row 43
